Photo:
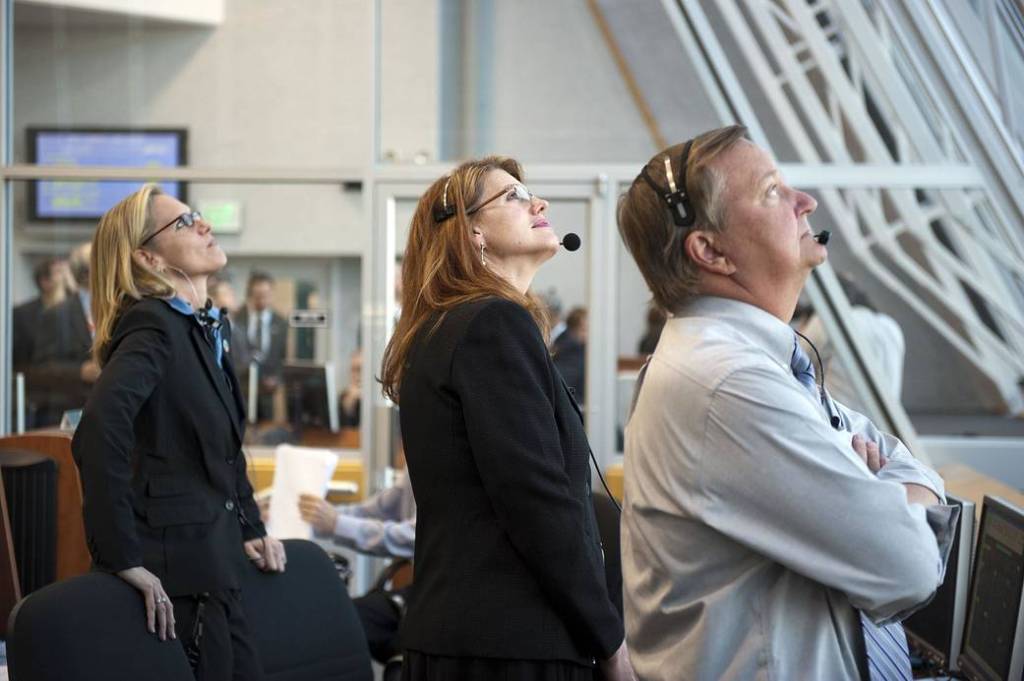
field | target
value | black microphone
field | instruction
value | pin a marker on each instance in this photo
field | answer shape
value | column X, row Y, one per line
column 823, row 236
column 570, row 241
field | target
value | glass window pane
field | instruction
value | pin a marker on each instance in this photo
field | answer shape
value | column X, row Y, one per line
column 305, row 348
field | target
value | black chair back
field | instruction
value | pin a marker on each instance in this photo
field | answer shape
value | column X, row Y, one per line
column 303, row 622
column 86, row 628
column 30, row 487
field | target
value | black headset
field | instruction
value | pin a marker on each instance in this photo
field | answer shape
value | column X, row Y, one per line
column 444, row 211
column 677, row 198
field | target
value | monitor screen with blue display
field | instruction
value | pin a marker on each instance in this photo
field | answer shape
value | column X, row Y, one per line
column 88, row 200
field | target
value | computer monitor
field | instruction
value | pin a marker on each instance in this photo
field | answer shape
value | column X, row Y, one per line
column 936, row 630
column 146, row 148
column 993, row 648
column 311, row 395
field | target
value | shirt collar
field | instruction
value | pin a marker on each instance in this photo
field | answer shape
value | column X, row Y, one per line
column 179, row 304
column 762, row 328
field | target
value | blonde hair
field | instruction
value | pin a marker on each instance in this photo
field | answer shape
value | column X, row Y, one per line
column 441, row 267
column 116, row 279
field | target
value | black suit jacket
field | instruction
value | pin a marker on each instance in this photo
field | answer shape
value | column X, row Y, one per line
column 62, row 343
column 159, row 449
column 25, row 322
column 508, row 557
column 244, row 351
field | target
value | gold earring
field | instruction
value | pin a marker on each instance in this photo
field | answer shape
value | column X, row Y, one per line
column 482, row 261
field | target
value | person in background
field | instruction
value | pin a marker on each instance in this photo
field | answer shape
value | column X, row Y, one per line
column 570, row 352
column 63, row 370
column 656, row 318
column 262, row 338
column 384, row 526
column 50, row 284
column 767, row 530
column 351, row 398
column 510, row 580
column 167, row 504
column 223, row 295
column 882, row 338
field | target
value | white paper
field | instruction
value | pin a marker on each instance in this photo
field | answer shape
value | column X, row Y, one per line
column 297, row 471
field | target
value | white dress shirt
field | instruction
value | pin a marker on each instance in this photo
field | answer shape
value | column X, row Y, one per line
column 751, row 528
column 383, row 525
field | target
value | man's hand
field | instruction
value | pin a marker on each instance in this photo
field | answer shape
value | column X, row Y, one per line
column 159, row 610
column 318, row 513
column 266, row 553
column 618, row 667
column 869, row 454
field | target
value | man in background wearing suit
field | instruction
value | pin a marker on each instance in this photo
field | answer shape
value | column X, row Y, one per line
column 63, row 370
column 261, row 335
column 767, row 531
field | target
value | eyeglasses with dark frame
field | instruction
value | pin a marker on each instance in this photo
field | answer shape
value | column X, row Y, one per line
column 181, row 222
column 517, row 190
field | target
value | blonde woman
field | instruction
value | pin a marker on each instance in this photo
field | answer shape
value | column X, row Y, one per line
column 168, row 506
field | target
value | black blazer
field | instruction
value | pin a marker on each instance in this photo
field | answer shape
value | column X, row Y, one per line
column 159, row 449
column 508, row 559
column 62, row 343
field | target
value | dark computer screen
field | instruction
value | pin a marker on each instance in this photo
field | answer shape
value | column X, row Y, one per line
column 935, row 629
column 995, row 599
column 310, row 395
column 88, row 200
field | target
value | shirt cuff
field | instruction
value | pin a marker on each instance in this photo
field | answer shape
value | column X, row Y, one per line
column 914, row 473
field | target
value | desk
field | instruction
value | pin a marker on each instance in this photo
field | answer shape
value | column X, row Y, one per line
column 613, row 475
column 967, row 483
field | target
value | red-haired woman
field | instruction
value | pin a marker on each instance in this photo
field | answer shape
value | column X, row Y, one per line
column 509, row 570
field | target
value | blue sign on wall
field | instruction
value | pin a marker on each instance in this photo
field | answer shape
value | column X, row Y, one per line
column 153, row 149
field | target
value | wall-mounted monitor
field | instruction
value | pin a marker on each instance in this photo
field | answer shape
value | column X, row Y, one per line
column 993, row 647
column 150, row 148
column 936, row 630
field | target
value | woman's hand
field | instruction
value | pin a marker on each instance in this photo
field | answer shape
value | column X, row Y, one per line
column 159, row 610
column 618, row 667
column 318, row 513
column 266, row 553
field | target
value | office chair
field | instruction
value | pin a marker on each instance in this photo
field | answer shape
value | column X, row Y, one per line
column 303, row 622
column 86, row 628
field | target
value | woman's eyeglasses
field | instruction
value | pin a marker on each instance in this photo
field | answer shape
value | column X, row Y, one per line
column 181, row 222
column 517, row 191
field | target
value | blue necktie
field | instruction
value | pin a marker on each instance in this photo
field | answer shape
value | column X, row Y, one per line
column 885, row 644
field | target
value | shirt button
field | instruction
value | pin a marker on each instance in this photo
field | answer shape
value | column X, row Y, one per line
column 230, row 505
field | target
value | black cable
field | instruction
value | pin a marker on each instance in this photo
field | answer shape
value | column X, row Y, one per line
column 821, row 367
column 598, row 469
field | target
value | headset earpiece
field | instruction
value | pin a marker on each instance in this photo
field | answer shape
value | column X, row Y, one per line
column 444, row 211
column 677, row 199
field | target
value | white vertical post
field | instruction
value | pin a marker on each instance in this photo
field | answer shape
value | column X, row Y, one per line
column 19, row 390
column 6, row 10
column 252, row 408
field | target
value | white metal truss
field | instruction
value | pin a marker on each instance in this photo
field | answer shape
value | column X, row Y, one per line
column 844, row 91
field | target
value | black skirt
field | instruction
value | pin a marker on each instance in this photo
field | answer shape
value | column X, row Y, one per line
column 419, row 666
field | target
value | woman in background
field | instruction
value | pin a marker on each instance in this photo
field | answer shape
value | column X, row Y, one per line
column 168, row 507
column 509, row 571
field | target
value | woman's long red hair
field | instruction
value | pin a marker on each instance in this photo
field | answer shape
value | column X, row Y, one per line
column 441, row 267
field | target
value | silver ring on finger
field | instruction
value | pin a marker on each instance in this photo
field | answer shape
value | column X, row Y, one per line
column 161, row 600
